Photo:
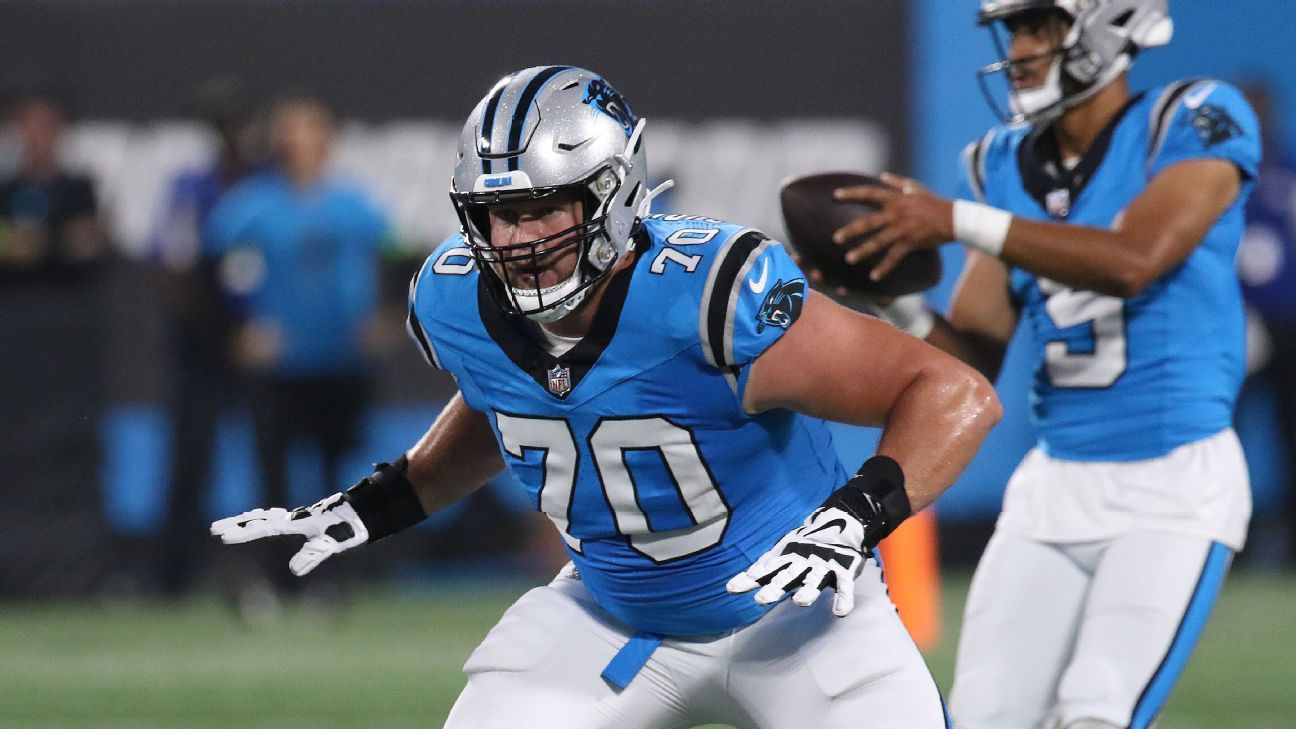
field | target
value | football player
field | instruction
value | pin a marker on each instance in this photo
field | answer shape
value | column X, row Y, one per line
column 658, row 386
column 1104, row 224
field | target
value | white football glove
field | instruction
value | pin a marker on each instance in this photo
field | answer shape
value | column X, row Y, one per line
column 330, row 525
column 826, row 551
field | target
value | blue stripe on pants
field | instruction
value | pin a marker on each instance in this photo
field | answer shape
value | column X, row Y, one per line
column 1190, row 629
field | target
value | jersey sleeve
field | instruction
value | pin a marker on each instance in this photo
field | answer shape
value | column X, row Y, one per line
column 418, row 298
column 229, row 221
column 1204, row 120
column 753, row 294
column 372, row 225
column 972, row 170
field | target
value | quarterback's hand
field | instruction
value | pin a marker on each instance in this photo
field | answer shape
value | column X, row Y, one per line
column 330, row 526
column 826, row 551
column 909, row 218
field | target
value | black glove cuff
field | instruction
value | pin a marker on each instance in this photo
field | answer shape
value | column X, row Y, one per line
column 876, row 496
column 386, row 501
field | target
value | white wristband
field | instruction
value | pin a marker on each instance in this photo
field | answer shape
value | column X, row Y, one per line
column 910, row 315
column 981, row 227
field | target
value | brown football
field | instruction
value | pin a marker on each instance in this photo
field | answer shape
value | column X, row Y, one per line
column 811, row 215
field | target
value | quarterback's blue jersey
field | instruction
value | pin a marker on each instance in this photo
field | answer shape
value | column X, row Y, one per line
column 635, row 442
column 1129, row 379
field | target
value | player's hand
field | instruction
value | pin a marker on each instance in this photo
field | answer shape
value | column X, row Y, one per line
column 910, row 218
column 330, row 526
column 826, row 551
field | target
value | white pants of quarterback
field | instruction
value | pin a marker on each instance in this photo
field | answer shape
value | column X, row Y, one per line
column 1096, row 585
column 795, row 668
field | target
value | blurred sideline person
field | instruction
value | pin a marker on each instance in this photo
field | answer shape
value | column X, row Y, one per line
column 300, row 253
column 50, row 216
column 656, row 383
column 54, row 252
column 202, row 319
column 1267, row 267
column 1105, row 224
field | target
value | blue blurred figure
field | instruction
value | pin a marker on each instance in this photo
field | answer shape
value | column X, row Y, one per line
column 300, row 252
column 1267, row 268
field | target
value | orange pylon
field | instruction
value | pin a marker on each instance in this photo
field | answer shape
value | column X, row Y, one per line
column 912, row 568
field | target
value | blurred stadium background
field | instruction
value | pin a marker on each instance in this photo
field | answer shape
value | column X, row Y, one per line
column 740, row 94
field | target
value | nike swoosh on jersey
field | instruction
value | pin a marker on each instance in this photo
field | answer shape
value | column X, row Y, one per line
column 758, row 285
column 1196, row 97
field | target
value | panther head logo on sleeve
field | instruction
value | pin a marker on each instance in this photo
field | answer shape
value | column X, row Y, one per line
column 782, row 305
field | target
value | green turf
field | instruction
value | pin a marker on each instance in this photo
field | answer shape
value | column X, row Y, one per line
column 392, row 660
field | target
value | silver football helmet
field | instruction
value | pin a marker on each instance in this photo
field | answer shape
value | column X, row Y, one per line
column 1103, row 39
column 544, row 131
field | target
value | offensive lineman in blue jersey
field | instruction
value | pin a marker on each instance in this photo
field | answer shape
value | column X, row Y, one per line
column 656, row 384
column 1105, row 225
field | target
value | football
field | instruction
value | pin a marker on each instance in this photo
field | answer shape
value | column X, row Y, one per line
column 811, row 215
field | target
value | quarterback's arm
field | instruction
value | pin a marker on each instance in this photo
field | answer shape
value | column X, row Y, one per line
column 839, row 365
column 1157, row 232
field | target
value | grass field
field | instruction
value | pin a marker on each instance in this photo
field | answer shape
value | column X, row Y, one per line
column 393, row 658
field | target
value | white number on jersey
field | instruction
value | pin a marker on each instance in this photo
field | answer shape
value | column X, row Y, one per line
column 608, row 444
column 1106, row 314
column 455, row 262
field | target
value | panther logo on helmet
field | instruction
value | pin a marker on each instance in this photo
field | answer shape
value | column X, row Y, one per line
column 600, row 95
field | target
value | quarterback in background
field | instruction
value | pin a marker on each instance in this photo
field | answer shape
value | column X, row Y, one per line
column 659, row 386
column 1104, row 223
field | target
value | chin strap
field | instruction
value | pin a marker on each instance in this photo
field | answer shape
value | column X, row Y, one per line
column 559, row 311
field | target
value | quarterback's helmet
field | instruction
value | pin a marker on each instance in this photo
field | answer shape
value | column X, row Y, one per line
column 1103, row 38
column 545, row 131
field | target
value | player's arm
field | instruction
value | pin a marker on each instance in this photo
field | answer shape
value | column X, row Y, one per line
column 980, row 322
column 935, row 411
column 455, row 457
column 1157, row 231
column 836, row 364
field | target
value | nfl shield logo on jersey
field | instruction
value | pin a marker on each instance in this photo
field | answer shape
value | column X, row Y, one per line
column 559, row 381
column 1058, row 202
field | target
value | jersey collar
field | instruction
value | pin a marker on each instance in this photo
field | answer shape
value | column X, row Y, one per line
column 1052, row 184
column 523, row 342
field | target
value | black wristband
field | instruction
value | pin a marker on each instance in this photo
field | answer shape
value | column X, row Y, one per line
column 385, row 500
column 876, row 496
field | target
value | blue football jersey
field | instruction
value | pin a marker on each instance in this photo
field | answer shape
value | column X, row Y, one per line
column 635, row 442
column 319, row 251
column 1128, row 379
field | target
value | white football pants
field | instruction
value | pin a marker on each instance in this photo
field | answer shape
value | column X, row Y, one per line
column 795, row 668
column 1058, row 633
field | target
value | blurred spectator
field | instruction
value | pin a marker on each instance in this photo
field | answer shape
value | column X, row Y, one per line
column 52, row 247
column 1267, row 268
column 202, row 319
column 301, row 251
column 48, row 216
